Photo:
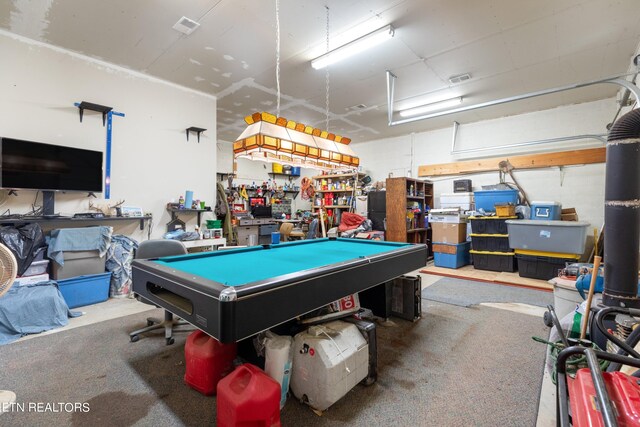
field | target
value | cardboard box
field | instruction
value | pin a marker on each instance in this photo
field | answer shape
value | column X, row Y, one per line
column 453, row 216
column 444, row 232
column 569, row 214
column 445, row 248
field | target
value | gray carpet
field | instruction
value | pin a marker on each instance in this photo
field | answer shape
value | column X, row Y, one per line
column 456, row 366
column 466, row 293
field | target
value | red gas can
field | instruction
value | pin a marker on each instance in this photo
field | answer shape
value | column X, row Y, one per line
column 248, row 397
column 207, row 361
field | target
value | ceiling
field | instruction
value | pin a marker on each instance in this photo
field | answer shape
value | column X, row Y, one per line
column 509, row 48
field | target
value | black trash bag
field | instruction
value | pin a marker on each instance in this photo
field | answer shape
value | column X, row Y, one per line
column 24, row 242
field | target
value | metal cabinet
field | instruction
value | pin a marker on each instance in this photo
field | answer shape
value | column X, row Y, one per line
column 260, row 229
column 245, row 233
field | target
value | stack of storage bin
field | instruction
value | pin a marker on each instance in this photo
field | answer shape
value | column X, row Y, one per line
column 82, row 279
column 490, row 244
column 544, row 247
column 449, row 234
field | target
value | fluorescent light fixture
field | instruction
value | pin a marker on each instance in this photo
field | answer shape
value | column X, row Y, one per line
column 452, row 102
column 354, row 47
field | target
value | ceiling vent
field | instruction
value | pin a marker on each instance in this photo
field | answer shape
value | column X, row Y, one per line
column 186, row 25
column 357, row 107
column 459, row 78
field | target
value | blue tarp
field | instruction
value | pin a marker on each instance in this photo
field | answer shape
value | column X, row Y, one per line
column 32, row 309
column 78, row 239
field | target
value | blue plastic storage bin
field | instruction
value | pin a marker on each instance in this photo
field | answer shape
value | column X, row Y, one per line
column 85, row 290
column 486, row 200
column 457, row 260
column 549, row 211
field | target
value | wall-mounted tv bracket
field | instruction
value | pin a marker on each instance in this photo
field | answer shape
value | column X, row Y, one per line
column 198, row 131
column 108, row 113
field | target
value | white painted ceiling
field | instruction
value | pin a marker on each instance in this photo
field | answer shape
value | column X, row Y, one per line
column 508, row 46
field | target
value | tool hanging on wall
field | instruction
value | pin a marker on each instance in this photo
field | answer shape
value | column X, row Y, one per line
column 243, row 193
column 505, row 167
column 108, row 113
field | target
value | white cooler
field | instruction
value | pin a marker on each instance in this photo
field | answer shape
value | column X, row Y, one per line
column 457, row 200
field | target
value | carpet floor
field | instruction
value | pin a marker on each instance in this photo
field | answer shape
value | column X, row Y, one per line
column 456, row 366
column 466, row 293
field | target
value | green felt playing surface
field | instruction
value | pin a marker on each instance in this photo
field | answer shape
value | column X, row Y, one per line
column 242, row 266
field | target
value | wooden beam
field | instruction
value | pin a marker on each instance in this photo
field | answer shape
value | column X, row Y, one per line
column 530, row 161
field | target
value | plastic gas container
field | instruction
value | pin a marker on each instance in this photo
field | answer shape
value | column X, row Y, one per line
column 248, row 397
column 207, row 361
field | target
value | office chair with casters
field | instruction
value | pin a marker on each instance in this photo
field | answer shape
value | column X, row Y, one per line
column 154, row 249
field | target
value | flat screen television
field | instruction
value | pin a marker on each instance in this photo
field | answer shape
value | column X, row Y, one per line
column 36, row 166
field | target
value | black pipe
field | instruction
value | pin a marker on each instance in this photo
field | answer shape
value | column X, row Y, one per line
column 606, row 407
column 622, row 213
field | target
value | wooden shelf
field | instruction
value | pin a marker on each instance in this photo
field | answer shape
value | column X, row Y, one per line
column 400, row 206
column 352, row 178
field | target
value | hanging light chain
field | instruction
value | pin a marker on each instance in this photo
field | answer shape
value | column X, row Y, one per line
column 278, row 57
column 327, row 78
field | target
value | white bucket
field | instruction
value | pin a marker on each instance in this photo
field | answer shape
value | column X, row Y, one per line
column 565, row 299
column 278, row 358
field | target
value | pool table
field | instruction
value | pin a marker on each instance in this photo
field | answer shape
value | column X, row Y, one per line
column 234, row 294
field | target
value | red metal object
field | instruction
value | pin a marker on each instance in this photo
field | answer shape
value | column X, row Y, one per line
column 248, row 397
column 207, row 362
column 623, row 391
